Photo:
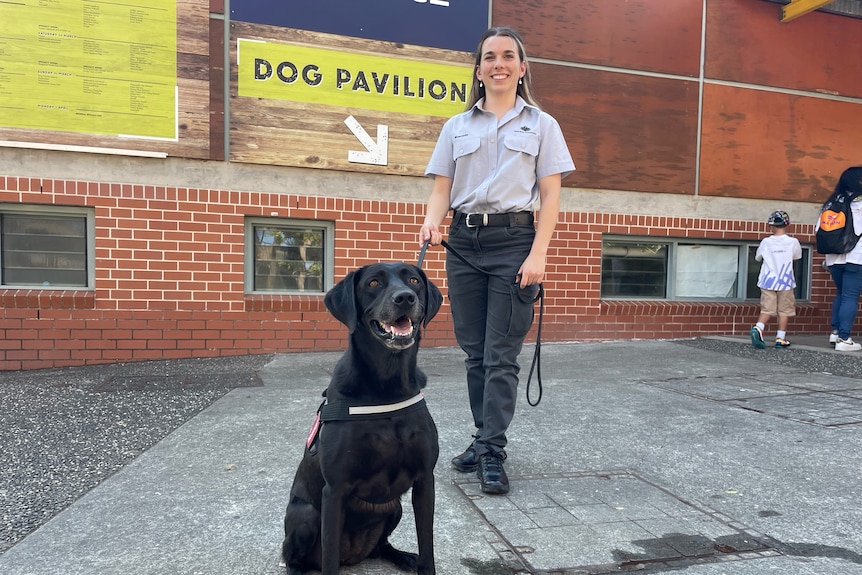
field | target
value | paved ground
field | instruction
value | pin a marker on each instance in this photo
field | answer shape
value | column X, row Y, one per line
column 702, row 457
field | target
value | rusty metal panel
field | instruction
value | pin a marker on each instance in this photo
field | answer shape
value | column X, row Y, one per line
column 746, row 42
column 625, row 132
column 656, row 36
column 769, row 145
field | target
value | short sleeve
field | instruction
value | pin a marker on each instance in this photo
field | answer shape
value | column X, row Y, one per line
column 442, row 162
column 554, row 156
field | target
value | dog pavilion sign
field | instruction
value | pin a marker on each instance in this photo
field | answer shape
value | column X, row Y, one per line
column 316, row 75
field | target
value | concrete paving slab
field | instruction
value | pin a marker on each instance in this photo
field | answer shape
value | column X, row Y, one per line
column 636, row 459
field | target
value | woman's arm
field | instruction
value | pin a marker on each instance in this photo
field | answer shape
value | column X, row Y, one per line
column 436, row 210
column 533, row 269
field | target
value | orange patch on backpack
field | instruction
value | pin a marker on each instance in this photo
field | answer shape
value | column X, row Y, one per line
column 830, row 220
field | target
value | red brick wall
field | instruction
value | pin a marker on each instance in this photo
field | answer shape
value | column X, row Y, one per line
column 169, row 278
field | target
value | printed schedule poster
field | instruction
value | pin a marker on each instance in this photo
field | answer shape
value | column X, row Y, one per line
column 89, row 67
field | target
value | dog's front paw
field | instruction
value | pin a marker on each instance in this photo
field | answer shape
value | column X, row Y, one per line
column 401, row 559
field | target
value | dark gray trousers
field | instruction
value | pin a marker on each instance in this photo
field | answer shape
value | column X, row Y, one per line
column 491, row 317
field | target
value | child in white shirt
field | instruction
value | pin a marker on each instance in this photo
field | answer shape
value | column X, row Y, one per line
column 776, row 280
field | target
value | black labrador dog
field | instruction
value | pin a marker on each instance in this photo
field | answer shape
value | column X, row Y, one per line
column 376, row 438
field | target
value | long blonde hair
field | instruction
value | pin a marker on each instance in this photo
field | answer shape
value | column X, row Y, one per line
column 525, row 88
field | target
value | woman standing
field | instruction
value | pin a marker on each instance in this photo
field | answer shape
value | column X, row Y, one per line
column 491, row 165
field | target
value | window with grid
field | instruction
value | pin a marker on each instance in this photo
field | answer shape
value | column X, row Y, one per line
column 294, row 256
column 652, row 268
column 46, row 247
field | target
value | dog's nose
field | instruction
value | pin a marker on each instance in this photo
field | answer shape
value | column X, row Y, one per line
column 404, row 297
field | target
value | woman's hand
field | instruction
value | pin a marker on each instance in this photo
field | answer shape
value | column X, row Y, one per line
column 430, row 233
column 438, row 205
column 532, row 271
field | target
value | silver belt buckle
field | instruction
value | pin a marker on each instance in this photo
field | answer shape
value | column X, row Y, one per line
column 484, row 220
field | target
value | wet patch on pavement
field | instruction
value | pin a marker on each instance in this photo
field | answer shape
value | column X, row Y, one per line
column 593, row 523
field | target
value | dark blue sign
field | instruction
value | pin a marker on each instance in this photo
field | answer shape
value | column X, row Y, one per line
column 448, row 24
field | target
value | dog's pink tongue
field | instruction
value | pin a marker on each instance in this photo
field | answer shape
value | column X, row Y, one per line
column 401, row 327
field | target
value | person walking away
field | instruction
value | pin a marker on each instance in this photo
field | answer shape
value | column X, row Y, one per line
column 776, row 280
column 846, row 272
column 492, row 163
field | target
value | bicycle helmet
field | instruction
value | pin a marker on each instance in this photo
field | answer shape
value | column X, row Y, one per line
column 778, row 219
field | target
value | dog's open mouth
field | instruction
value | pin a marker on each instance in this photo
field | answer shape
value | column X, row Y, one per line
column 399, row 334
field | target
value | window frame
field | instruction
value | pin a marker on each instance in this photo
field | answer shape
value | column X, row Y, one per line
column 249, row 261
column 88, row 213
column 743, row 248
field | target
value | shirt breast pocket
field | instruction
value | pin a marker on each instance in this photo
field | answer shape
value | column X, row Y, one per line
column 464, row 147
column 519, row 161
column 528, row 145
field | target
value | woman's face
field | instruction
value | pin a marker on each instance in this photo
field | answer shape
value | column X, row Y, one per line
column 500, row 67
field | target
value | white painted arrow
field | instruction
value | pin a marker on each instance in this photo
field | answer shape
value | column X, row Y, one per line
column 377, row 152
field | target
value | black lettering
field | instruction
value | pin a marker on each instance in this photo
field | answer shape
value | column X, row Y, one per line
column 461, row 92
column 407, row 91
column 293, row 72
column 395, row 85
column 361, row 83
column 421, row 87
column 437, row 89
column 380, row 83
column 312, row 79
column 342, row 77
column 262, row 69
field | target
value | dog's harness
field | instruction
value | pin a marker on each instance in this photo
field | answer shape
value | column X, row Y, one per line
column 341, row 410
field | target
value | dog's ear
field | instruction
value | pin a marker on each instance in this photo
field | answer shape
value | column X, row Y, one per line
column 433, row 298
column 341, row 300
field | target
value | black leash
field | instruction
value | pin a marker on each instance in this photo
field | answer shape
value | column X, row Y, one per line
column 540, row 297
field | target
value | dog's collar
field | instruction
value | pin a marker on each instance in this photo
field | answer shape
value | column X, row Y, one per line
column 342, row 410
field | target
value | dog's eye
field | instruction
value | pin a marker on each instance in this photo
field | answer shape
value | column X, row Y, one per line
column 414, row 281
column 373, row 283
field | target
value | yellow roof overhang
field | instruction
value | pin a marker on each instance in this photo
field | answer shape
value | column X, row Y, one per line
column 798, row 8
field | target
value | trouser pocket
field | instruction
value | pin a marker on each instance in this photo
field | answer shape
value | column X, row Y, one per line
column 522, row 302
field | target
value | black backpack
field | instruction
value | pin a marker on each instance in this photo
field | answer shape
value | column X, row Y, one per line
column 835, row 233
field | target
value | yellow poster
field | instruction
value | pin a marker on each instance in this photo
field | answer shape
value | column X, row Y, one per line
column 335, row 78
column 89, row 67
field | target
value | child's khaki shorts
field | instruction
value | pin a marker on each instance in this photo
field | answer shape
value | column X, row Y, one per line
column 780, row 303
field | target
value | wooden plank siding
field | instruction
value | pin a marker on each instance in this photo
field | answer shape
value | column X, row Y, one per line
column 286, row 133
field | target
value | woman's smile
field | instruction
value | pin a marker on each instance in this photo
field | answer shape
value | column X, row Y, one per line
column 500, row 67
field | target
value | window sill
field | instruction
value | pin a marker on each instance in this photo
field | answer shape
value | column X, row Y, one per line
column 283, row 302
column 712, row 308
column 47, row 299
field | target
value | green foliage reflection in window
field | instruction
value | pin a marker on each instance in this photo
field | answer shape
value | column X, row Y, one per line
column 288, row 259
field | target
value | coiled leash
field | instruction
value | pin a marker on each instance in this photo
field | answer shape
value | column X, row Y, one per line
column 540, row 297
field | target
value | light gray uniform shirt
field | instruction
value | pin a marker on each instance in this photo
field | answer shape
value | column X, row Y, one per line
column 496, row 166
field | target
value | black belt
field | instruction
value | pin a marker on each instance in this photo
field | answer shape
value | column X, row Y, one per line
column 476, row 220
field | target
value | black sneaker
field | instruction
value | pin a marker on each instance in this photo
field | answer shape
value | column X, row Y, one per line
column 467, row 461
column 492, row 476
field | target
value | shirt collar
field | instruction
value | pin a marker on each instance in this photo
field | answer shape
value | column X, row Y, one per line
column 520, row 104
